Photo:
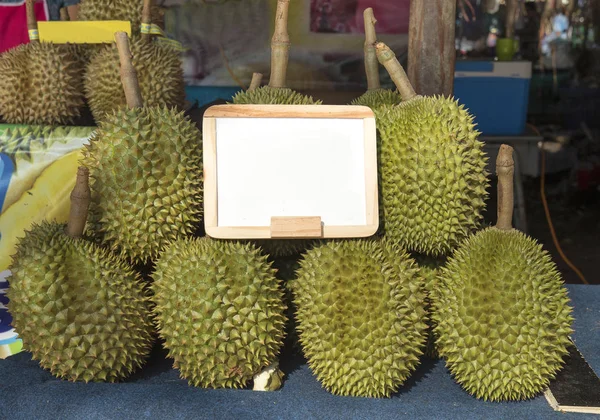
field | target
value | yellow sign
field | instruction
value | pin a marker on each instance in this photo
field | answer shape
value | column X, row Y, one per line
column 82, row 32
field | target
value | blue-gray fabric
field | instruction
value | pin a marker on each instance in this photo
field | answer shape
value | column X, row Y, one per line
column 157, row 392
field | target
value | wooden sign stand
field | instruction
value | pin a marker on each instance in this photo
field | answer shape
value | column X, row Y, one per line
column 322, row 147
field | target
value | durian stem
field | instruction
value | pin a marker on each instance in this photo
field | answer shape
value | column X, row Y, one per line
column 32, row 25
column 129, row 78
column 505, row 168
column 80, row 201
column 280, row 46
column 64, row 14
column 256, row 80
column 371, row 63
column 146, row 21
column 388, row 59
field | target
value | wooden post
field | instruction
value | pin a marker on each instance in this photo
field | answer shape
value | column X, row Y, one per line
column 431, row 46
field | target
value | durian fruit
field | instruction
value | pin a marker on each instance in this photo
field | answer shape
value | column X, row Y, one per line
column 159, row 69
column 82, row 313
column 361, row 316
column 146, row 166
column 276, row 92
column 502, row 313
column 433, row 177
column 41, row 83
column 219, row 308
column 375, row 96
column 284, row 247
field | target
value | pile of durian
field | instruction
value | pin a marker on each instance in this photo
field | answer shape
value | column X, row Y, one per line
column 44, row 83
column 363, row 312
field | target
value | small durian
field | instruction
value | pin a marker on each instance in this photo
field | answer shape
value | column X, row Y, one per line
column 219, row 308
column 502, row 313
column 276, row 92
column 433, row 178
column 41, row 83
column 361, row 316
column 159, row 71
column 82, row 313
column 146, row 168
column 375, row 96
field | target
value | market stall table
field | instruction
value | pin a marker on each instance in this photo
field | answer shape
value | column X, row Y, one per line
column 28, row 392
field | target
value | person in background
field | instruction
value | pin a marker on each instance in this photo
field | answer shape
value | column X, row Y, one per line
column 560, row 27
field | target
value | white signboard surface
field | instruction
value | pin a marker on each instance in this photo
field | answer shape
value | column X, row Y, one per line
column 264, row 161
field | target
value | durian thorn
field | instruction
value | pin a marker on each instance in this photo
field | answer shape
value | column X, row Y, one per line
column 146, row 19
column 371, row 63
column 80, row 201
column 505, row 168
column 256, row 80
column 388, row 59
column 280, row 46
column 129, row 78
column 32, row 24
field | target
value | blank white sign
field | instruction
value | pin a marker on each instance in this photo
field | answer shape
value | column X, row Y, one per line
column 287, row 170
column 264, row 161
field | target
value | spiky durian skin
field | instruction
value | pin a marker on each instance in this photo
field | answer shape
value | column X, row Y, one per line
column 428, row 270
column 377, row 98
column 433, row 177
column 81, row 312
column 503, row 316
column 278, row 96
column 41, row 83
column 361, row 316
column 159, row 71
column 146, row 181
column 220, row 310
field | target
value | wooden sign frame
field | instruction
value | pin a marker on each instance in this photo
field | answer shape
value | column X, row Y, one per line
column 306, row 226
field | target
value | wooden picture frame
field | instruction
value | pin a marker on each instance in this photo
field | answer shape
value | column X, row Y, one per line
column 358, row 159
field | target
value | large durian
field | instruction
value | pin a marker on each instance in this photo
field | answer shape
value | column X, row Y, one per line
column 502, row 313
column 146, row 166
column 361, row 316
column 41, row 82
column 219, row 308
column 159, row 69
column 433, row 177
column 83, row 313
column 375, row 96
column 276, row 92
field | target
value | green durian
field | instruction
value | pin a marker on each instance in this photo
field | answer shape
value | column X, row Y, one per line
column 361, row 316
column 146, row 169
column 375, row 96
column 160, row 75
column 433, row 178
column 219, row 308
column 129, row 10
column 41, row 84
column 502, row 313
column 83, row 313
